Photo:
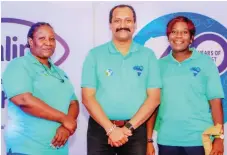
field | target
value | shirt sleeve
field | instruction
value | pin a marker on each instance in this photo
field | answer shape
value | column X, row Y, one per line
column 16, row 79
column 154, row 79
column 214, row 87
column 89, row 78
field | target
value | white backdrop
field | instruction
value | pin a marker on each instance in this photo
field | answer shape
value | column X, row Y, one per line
column 83, row 25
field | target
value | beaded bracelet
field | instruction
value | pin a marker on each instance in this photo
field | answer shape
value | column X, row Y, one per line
column 150, row 140
column 111, row 130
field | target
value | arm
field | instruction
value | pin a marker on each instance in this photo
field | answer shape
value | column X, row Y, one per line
column 217, row 111
column 62, row 134
column 94, row 109
column 89, row 85
column 217, row 114
column 117, row 136
column 18, row 84
column 150, row 128
column 73, row 110
column 153, row 93
column 150, row 124
column 20, row 93
column 36, row 107
column 149, row 106
column 214, row 93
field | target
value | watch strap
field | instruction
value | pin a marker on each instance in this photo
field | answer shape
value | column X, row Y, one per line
column 129, row 126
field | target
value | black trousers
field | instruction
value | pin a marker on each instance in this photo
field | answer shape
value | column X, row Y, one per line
column 180, row 150
column 97, row 141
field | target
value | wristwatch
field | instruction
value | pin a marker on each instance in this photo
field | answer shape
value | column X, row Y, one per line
column 129, row 126
column 150, row 140
column 221, row 136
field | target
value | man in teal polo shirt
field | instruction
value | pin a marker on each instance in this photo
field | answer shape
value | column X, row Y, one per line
column 120, row 89
column 42, row 106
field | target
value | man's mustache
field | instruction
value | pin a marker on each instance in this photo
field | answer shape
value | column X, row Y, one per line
column 123, row 28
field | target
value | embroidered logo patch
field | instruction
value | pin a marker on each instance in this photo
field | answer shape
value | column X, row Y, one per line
column 195, row 70
column 109, row 72
column 138, row 69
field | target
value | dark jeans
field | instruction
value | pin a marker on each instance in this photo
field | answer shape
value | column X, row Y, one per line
column 97, row 141
column 180, row 150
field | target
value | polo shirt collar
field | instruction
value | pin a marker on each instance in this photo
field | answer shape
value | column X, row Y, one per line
column 195, row 54
column 34, row 60
column 113, row 49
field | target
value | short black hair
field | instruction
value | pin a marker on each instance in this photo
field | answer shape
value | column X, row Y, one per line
column 35, row 27
column 122, row 6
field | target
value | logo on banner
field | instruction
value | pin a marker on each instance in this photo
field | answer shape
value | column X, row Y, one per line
column 210, row 39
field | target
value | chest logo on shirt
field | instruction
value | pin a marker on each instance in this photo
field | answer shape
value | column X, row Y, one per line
column 195, row 70
column 109, row 72
column 138, row 69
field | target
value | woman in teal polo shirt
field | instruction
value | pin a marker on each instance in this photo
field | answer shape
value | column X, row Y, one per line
column 191, row 95
column 42, row 106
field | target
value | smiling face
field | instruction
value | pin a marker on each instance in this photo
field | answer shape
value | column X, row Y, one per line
column 180, row 37
column 43, row 43
column 122, row 24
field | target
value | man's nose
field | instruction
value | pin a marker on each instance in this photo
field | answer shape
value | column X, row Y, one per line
column 123, row 24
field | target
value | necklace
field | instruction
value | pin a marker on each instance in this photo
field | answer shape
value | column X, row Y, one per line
column 59, row 76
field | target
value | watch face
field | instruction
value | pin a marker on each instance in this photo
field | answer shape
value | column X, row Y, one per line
column 129, row 126
column 222, row 136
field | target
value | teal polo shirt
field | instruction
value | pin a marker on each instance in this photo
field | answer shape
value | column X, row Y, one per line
column 121, row 81
column 25, row 133
column 184, row 112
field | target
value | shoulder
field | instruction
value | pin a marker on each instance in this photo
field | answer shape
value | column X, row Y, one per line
column 145, row 51
column 15, row 67
column 99, row 49
column 207, row 64
column 205, row 61
column 206, row 58
column 164, row 59
column 16, row 63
